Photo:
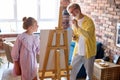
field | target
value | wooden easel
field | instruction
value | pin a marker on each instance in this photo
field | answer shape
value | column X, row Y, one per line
column 57, row 72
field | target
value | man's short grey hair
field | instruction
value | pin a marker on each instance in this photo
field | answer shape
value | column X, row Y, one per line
column 75, row 5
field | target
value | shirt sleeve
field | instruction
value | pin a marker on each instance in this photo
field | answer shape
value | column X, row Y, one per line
column 37, row 44
column 15, row 53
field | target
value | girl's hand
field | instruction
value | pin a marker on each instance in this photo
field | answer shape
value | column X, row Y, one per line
column 17, row 68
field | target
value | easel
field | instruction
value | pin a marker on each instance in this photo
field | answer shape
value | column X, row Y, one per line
column 57, row 72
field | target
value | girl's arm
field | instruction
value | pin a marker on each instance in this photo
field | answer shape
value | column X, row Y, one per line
column 15, row 53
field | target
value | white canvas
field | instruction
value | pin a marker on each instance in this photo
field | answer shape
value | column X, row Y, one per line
column 44, row 34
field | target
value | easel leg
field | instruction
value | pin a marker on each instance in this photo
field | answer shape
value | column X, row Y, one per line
column 58, row 63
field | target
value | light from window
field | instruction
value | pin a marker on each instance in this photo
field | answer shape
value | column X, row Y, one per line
column 6, row 9
column 48, row 9
column 13, row 11
column 26, row 8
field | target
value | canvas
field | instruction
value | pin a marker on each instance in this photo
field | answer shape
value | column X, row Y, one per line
column 44, row 34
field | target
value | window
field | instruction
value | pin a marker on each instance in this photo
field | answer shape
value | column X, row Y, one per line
column 48, row 15
column 26, row 8
column 6, row 6
column 12, row 12
column 47, row 6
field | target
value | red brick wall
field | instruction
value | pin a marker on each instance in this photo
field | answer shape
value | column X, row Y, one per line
column 105, row 16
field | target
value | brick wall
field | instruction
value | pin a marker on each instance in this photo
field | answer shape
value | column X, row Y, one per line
column 105, row 15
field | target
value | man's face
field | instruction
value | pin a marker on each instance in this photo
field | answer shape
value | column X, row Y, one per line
column 74, row 12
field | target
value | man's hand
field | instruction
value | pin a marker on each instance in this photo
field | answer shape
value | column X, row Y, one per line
column 75, row 23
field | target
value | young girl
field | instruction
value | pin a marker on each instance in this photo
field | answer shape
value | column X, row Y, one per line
column 25, row 49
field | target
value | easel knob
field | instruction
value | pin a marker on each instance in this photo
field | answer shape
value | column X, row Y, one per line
column 58, row 50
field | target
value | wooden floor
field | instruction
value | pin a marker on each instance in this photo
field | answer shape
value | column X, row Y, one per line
column 5, row 66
